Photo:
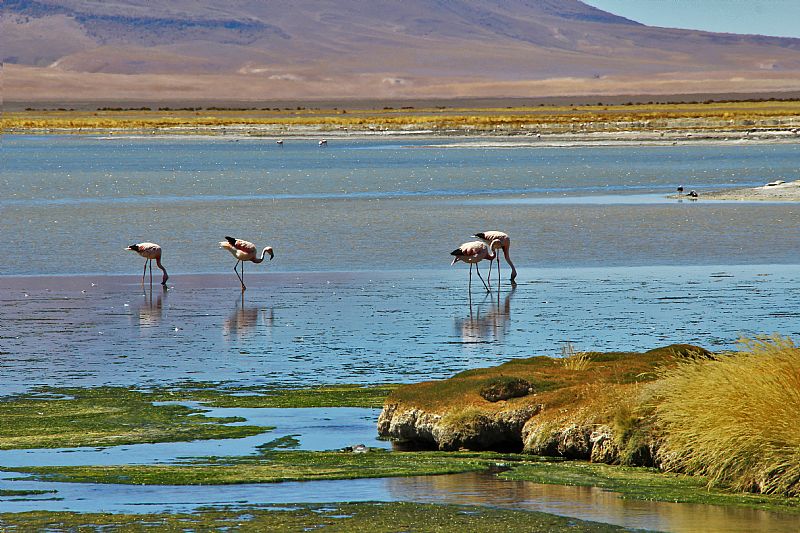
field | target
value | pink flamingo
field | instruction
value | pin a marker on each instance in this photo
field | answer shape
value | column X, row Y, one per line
column 505, row 244
column 244, row 251
column 473, row 253
column 150, row 251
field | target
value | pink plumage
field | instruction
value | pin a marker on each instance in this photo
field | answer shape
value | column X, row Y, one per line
column 504, row 242
column 473, row 253
column 150, row 251
column 244, row 251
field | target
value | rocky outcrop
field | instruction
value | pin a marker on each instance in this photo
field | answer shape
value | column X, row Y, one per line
column 504, row 388
column 509, row 430
column 471, row 430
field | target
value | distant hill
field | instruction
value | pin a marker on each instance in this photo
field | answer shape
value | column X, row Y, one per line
column 253, row 49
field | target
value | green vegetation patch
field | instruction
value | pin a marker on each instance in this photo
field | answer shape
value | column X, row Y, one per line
column 20, row 493
column 338, row 517
column 274, row 466
column 554, row 382
column 110, row 416
column 253, row 397
column 105, row 416
column 644, row 484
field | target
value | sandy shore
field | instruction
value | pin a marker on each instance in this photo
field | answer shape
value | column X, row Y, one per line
column 776, row 192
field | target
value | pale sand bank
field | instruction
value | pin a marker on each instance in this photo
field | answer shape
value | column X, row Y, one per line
column 778, row 192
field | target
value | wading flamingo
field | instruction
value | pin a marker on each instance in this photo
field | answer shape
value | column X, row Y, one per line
column 473, row 253
column 244, row 251
column 150, row 251
column 505, row 244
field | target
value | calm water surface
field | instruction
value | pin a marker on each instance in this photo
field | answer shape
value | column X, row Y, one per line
column 69, row 204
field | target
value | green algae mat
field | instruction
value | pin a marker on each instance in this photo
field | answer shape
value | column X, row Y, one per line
column 337, row 517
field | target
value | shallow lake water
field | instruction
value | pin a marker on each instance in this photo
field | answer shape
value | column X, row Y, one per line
column 318, row 328
column 360, row 290
column 70, row 204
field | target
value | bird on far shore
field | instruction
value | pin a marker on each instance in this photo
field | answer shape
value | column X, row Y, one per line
column 473, row 253
column 693, row 194
column 150, row 251
column 505, row 244
column 680, row 189
column 244, row 251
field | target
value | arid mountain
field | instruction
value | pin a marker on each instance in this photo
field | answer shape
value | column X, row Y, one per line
column 251, row 49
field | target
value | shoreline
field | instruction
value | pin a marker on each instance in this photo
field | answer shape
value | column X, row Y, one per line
column 667, row 123
column 780, row 191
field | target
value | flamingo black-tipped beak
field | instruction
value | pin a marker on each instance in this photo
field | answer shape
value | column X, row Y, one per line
column 271, row 254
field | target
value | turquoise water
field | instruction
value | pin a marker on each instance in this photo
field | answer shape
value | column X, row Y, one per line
column 70, row 204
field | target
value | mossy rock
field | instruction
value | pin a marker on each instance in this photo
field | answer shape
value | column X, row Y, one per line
column 682, row 351
column 503, row 388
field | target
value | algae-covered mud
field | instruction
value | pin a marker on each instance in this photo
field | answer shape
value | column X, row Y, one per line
column 349, row 517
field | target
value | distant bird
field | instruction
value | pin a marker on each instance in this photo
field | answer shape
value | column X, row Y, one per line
column 150, row 251
column 279, row 141
column 323, row 142
column 244, row 251
column 473, row 253
column 693, row 194
column 505, row 244
column 680, row 189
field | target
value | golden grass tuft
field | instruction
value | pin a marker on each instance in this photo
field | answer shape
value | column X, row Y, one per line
column 735, row 419
column 574, row 360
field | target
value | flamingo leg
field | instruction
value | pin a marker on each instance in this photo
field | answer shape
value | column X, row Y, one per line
column 144, row 271
column 470, row 280
column 498, row 275
column 151, row 270
column 243, row 287
column 241, row 280
column 478, row 270
column 489, row 277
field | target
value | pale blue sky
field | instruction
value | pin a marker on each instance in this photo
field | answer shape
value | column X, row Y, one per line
column 765, row 17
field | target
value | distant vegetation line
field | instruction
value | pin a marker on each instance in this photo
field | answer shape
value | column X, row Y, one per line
column 710, row 115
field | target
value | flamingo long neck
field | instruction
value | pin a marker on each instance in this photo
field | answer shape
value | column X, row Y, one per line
column 260, row 259
column 492, row 252
column 164, row 270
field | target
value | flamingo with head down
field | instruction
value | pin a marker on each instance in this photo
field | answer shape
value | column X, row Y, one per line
column 504, row 242
column 150, row 251
column 473, row 253
column 244, row 251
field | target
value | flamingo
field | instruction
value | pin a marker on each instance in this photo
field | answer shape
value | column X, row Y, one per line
column 473, row 253
column 150, row 251
column 323, row 142
column 244, row 251
column 505, row 244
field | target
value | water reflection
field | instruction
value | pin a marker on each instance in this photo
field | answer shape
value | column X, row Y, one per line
column 488, row 318
column 586, row 503
column 150, row 312
column 246, row 319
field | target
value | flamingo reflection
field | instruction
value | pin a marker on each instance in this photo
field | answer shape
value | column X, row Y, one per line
column 484, row 324
column 151, row 310
column 245, row 319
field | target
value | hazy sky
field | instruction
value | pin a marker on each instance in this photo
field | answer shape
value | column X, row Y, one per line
column 765, row 17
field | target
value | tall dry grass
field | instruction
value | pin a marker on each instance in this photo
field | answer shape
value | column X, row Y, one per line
column 574, row 360
column 735, row 420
